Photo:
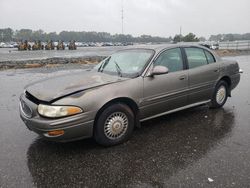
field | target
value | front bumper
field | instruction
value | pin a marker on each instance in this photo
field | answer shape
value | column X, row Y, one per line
column 75, row 127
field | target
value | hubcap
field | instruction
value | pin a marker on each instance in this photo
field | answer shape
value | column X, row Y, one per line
column 221, row 95
column 116, row 125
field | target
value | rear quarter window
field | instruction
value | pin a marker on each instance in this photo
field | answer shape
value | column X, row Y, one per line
column 210, row 57
column 196, row 57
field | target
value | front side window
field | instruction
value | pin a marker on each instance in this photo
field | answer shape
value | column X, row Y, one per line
column 196, row 57
column 126, row 63
column 172, row 59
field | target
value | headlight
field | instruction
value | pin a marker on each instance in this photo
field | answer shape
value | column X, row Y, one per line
column 58, row 111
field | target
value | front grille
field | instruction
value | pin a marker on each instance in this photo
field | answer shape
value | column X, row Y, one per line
column 25, row 109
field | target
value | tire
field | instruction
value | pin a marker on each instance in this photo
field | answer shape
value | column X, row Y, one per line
column 220, row 94
column 114, row 125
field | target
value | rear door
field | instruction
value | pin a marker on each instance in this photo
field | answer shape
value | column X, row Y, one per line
column 167, row 91
column 203, row 73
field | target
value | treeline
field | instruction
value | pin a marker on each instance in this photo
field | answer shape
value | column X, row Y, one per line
column 187, row 38
column 8, row 34
column 230, row 37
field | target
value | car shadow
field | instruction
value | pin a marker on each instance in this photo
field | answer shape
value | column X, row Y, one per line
column 156, row 151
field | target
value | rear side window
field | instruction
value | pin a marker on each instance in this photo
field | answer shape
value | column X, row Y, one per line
column 196, row 57
column 172, row 59
column 210, row 57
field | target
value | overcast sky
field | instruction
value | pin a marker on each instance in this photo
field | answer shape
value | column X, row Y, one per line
column 154, row 17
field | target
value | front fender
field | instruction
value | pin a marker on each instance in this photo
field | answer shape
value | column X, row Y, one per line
column 94, row 99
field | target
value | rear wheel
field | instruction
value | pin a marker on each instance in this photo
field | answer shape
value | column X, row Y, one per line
column 114, row 125
column 220, row 94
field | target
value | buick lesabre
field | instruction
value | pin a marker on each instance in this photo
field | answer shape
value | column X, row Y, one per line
column 128, row 87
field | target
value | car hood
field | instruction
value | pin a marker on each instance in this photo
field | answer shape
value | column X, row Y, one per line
column 50, row 90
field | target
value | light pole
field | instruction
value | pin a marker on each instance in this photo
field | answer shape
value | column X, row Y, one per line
column 2, row 36
column 180, row 34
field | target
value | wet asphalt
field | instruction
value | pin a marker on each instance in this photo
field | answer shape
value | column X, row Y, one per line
column 12, row 54
column 198, row 147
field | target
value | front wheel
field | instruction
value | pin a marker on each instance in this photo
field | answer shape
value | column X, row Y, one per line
column 220, row 94
column 114, row 125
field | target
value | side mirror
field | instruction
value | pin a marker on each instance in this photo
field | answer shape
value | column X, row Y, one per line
column 158, row 70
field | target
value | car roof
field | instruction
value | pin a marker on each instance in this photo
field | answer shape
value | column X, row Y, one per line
column 159, row 47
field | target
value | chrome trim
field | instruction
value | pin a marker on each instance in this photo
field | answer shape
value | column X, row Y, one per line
column 174, row 93
column 175, row 110
column 240, row 71
column 22, row 110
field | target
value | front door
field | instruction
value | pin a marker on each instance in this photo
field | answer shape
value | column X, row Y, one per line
column 167, row 91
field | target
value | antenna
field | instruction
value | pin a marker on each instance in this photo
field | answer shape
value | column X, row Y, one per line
column 122, row 17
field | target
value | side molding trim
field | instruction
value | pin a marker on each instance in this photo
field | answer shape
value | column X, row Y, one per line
column 175, row 110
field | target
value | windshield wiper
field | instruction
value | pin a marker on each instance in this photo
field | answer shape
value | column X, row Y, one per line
column 118, row 69
column 100, row 69
column 103, row 65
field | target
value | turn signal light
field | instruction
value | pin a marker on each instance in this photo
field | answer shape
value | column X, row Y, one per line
column 56, row 133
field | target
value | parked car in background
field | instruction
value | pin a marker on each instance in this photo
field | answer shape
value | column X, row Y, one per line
column 128, row 87
column 6, row 45
column 15, row 45
column 2, row 44
column 215, row 46
column 107, row 44
column 91, row 44
column 212, row 46
column 81, row 44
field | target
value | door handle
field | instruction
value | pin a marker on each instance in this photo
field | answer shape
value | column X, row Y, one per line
column 216, row 70
column 183, row 77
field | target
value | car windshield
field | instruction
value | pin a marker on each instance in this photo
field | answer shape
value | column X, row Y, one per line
column 126, row 63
